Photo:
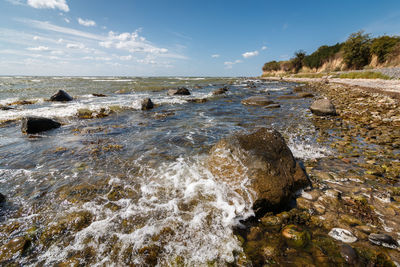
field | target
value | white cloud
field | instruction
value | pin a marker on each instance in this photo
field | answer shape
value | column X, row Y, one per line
column 36, row 38
column 86, row 22
column 51, row 27
column 53, row 4
column 264, row 48
column 67, row 20
column 57, row 52
column 215, row 56
column 38, row 48
column 229, row 64
column 125, row 58
column 131, row 42
column 250, row 54
column 75, row 46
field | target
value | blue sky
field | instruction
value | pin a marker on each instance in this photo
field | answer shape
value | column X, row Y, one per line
column 178, row 38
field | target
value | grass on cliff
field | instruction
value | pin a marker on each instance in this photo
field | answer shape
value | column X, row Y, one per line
column 363, row 75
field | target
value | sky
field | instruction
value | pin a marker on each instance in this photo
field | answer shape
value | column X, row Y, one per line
column 176, row 38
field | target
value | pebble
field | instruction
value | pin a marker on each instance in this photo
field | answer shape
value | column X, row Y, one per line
column 342, row 235
column 383, row 240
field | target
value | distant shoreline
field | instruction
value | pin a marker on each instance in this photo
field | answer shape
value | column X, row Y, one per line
column 386, row 87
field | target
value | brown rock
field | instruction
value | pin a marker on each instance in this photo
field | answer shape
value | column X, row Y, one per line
column 264, row 158
column 323, row 107
column 147, row 104
column 257, row 101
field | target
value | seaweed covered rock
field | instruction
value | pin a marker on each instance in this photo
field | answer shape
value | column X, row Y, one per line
column 32, row 125
column 323, row 107
column 221, row 91
column 262, row 160
column 257, row 101
column 61, row 95
column 179, row 91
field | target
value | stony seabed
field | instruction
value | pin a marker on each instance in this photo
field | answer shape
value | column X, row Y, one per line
column 119, row 184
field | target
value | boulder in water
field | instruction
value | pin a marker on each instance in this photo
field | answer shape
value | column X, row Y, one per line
column 323, row 107
column 147, row 104
column 383, row 240
column 257, row 101
column 61, row 95
column 2, row 198
column 179, row 91
column 32, row 125
column 264, row 162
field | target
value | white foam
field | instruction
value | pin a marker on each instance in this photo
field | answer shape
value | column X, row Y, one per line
column 307, row 151
column 201, row 232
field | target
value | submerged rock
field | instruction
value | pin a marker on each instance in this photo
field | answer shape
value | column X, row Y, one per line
column 32, row 125
column 221, row 91
column 179, row 91
column 99, row 95
column 147, row 104
column 266, row 161
column 61, row 95
column 14, row 248
column 383, row 240
column 2, row 198
column 5, row 108
column 349, row 254
column 342, row 235
column 296, row 237
column 323, row 107
column 305, row 95
column 197, row 100
column 257, row 101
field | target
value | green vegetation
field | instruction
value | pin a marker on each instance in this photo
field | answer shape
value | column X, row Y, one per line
column 363, row 75
column 323, row 54
column 355, row 53
column 384, row 46
column 356, row 50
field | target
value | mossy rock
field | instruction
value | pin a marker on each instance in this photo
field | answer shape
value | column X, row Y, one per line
column 295, row 236
column 14, row 248
column 72, row 222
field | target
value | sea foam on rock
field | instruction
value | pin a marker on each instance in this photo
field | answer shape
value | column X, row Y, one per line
column 61, row 95
column 32, row 125
column 264, row 162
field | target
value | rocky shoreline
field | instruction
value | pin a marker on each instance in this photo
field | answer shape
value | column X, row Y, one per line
column 350, row 215
column 344, row 212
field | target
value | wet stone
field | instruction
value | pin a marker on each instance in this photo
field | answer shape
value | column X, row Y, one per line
column 295, row 236
column 15, row 247
column 342, row 235
column 61, row 95
column 2, row 198
column 349, row 254
column 383, row 240
column 147, row 104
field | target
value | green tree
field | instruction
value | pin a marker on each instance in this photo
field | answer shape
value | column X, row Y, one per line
column 357, row 50
column 323, row 54
column 383, row 46
column 297, row 61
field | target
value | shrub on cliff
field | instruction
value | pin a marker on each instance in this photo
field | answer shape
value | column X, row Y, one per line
column 271, row 66
column 383, row 47
column 356, row 50
column 322, row 55
column 297, row 61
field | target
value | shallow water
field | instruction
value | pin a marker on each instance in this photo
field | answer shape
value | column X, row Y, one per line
column 142, row 175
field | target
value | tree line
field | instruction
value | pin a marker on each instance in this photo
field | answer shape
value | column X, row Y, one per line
column 356, row 53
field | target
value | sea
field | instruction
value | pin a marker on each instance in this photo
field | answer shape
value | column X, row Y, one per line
column 129, row 186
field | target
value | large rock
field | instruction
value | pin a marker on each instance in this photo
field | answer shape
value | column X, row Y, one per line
column 147, row 104
column 265, row 160
column 179, row 91
column 257, row 101
column 61, row 95
column 32, row 125
column 323, row 107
